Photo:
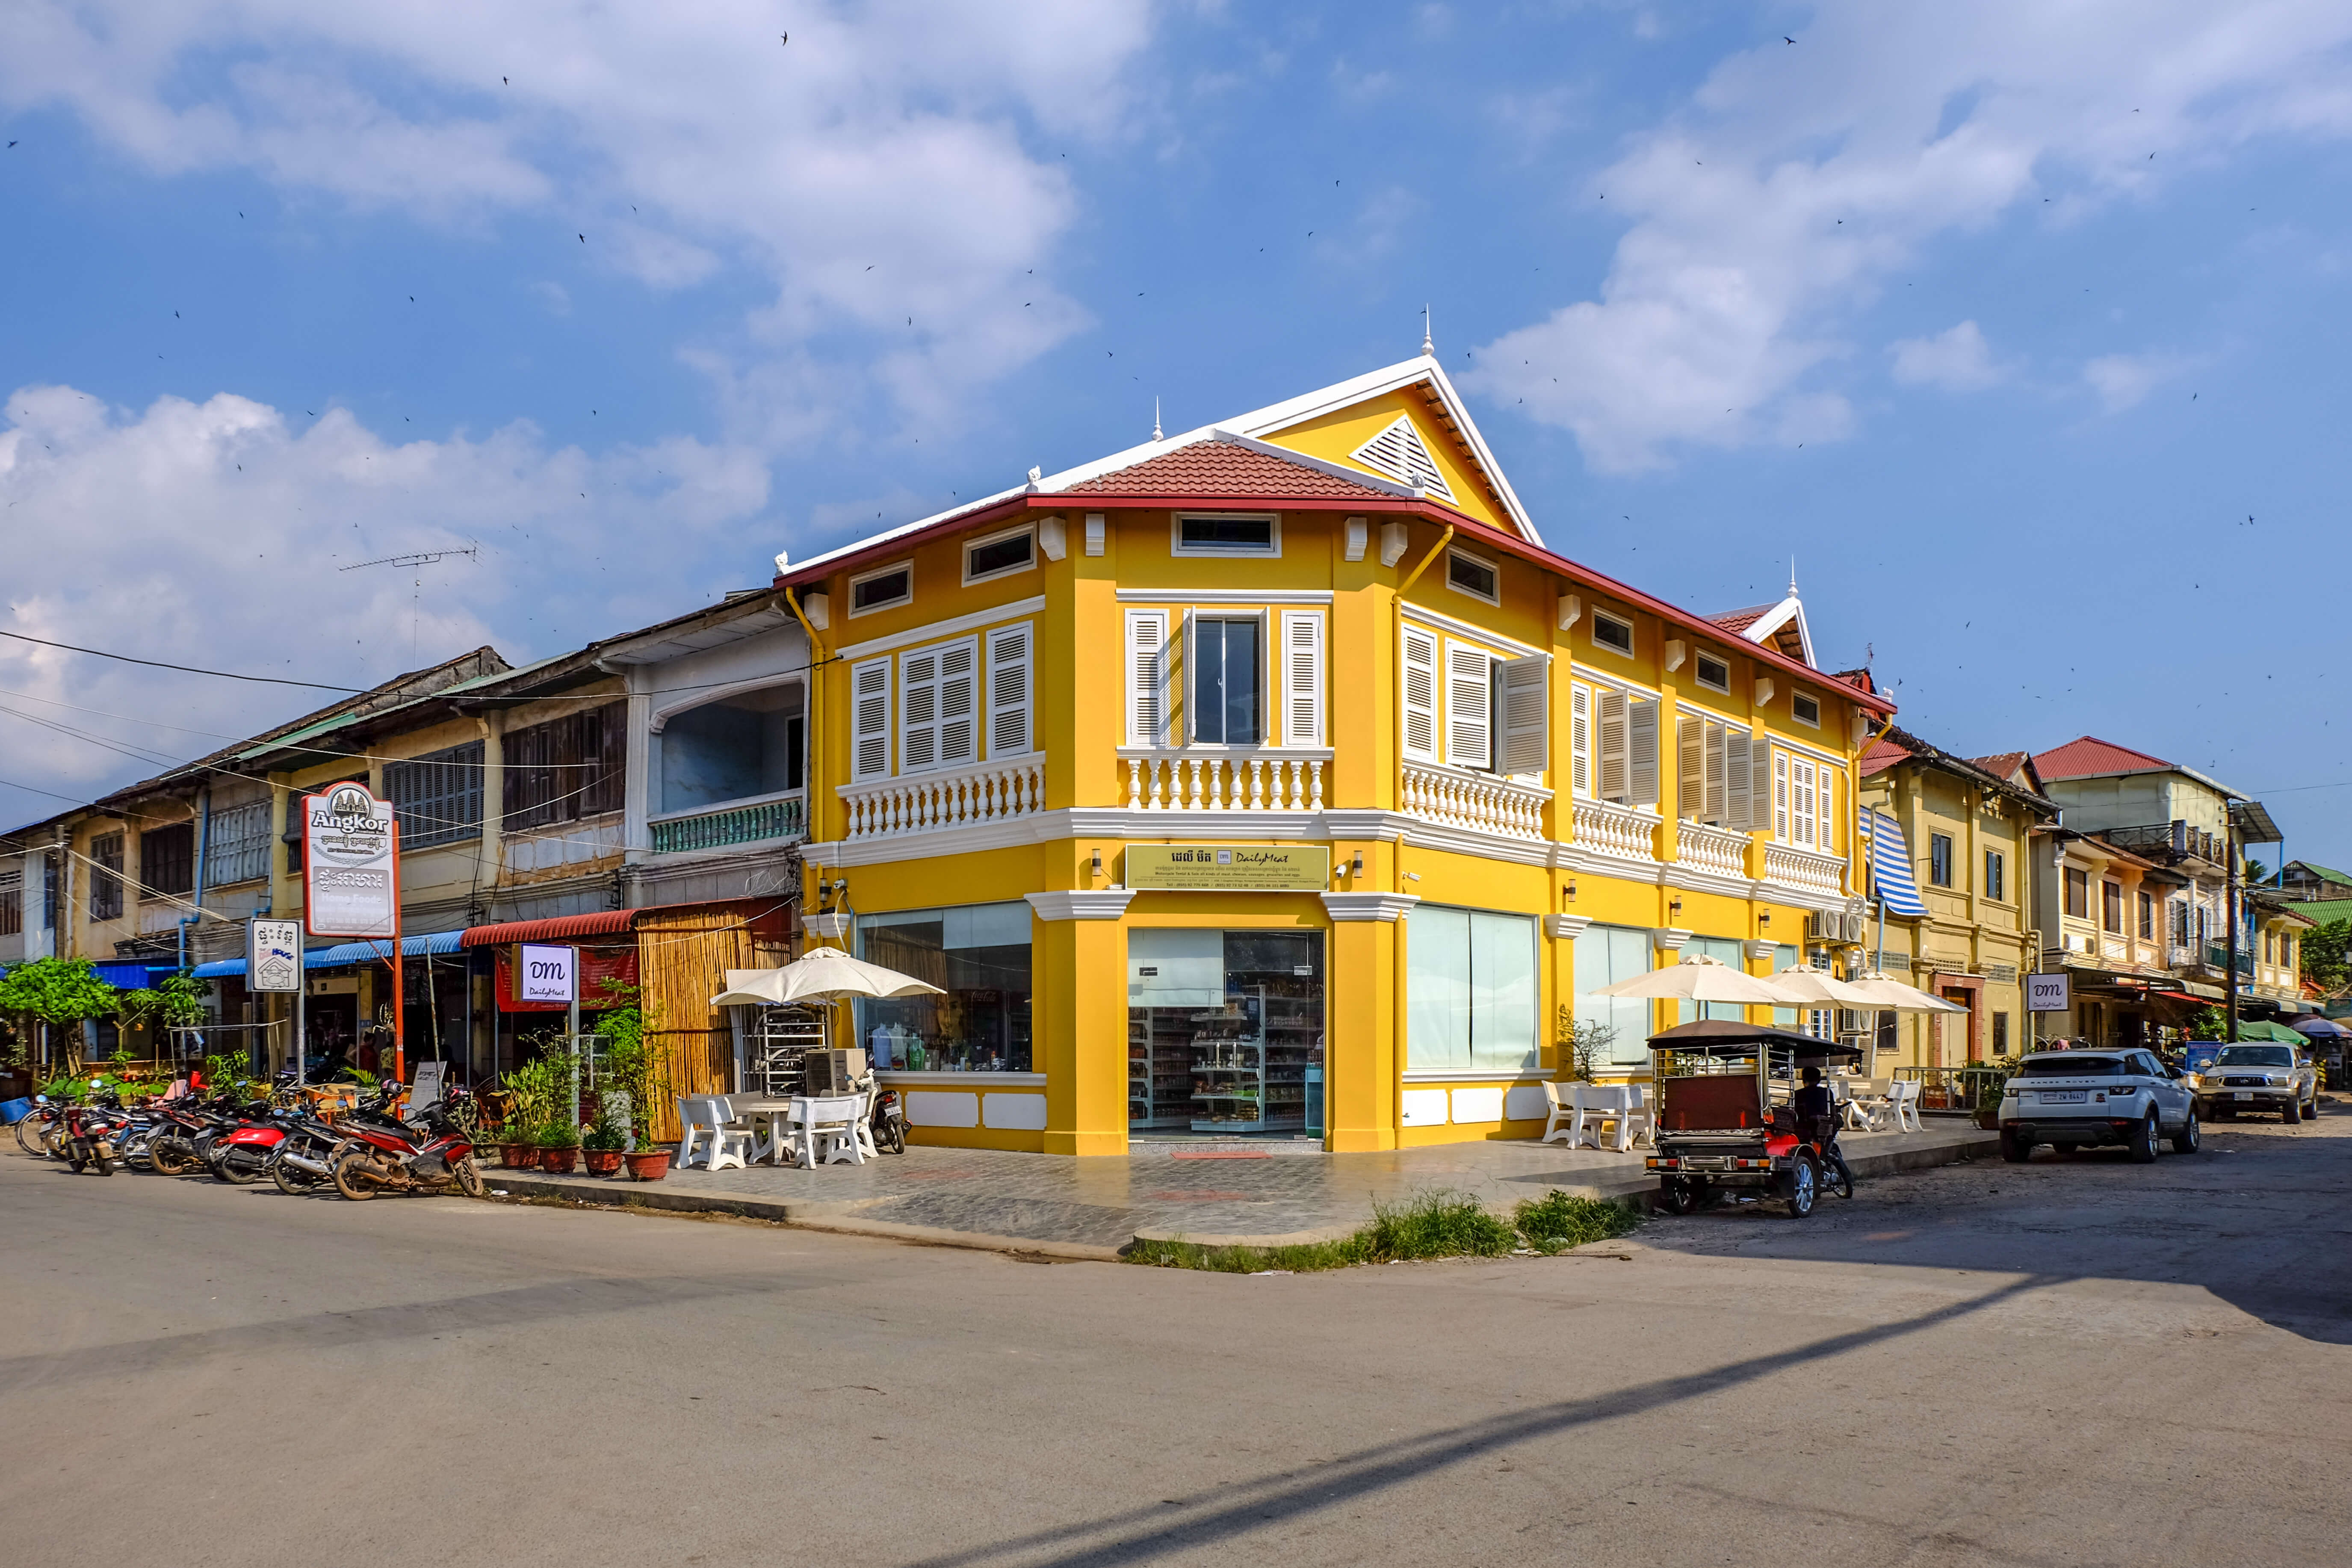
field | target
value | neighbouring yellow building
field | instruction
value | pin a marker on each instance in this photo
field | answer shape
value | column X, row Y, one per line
column 1276, row 778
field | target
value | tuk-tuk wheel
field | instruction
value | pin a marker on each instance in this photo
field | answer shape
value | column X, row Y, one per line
column 1678, row 1194
column 1801, row 1185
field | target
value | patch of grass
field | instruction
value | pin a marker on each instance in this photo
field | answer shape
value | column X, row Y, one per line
column 1557, row 1222
column 1436, row 1224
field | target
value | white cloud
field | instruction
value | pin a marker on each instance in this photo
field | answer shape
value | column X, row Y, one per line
column 1956, row 359
column 1770, row 212
column 2123, row 380
column 217, row 534
column 878, row 167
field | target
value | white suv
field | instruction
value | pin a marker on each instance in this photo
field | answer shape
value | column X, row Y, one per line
column 2069, row 1099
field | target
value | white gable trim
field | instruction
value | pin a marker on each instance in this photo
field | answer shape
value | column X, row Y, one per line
column 1780, row 616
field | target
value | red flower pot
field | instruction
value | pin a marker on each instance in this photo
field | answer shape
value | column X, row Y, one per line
column 519, row 1156
column 649, row 1165
column 601, row 1161
column 559, row 1161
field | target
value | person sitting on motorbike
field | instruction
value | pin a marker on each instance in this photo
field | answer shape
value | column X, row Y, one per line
column 1815, row 1100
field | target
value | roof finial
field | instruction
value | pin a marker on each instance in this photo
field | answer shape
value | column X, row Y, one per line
column 1428, row 344
column 1155, row 421
column 1792, row 576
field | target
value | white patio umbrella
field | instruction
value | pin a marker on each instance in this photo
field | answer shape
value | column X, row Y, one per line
column 1891, row 995
column 1817, row 988
column 821, row 974
column 1700, row 979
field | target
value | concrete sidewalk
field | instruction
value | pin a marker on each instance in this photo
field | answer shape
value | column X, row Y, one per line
column 1218, row 1193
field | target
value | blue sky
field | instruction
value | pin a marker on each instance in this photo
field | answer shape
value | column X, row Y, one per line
column 2003, row 323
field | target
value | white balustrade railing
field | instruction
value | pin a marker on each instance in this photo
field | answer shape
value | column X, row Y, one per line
column 1627, row 832
column 1262, row 779
column 1802, row 869
column 951, row 797
column 1714, row 849
column 1485, row 803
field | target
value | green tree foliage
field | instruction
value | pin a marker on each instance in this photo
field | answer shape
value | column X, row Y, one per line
column 176, row 1002
column 60, row 991
column 2322, row 955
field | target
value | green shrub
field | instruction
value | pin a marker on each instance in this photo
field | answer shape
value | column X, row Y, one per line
column 1436, row 1224
column 1557, row 1222
column 602, row 1134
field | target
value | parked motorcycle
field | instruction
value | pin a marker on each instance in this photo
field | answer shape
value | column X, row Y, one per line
column 428, row 1155
column 93, row 1131
column 888, row 1121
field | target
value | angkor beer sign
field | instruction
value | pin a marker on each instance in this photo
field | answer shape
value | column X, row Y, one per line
column 350, row 885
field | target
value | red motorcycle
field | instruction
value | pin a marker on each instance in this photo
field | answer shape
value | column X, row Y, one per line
column 93, row 1131
column 428, row 1155
column 242, row 1155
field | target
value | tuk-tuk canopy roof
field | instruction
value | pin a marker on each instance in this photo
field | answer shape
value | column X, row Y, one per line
column 1731, row 1037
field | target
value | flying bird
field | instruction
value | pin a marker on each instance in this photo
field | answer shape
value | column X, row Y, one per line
column 583, row 239
column 1786, row 39
column 782, row 38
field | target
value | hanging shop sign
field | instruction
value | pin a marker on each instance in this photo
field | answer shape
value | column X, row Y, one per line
column 1228, row 868
column 273, row 955
column 2046, row 994
column 350, row 885
column 546, row 973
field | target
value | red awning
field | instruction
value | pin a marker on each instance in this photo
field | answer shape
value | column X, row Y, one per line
column 2181, row 996
column 562, row 928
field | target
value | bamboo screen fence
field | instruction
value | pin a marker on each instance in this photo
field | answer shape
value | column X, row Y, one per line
column 683, row 956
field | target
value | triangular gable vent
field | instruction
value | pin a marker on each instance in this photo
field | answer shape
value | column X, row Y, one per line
column 1398, row 452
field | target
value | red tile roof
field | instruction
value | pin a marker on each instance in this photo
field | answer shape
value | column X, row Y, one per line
column 1740, row 620
column 1883, row 754
column 1219, row 468
column 2002, row 765
column 2087, row 756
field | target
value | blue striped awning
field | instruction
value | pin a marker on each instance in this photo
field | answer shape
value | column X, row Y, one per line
column 1890, row 867
column 343, row 955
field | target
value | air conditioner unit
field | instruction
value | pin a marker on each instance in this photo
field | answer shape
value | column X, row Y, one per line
column 1836, row 925
column 1820, row 926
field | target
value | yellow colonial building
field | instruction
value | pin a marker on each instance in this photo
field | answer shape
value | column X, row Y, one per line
column 1275, row 779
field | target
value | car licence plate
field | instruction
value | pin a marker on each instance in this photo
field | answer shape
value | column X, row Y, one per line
column 2063, row 1097
column 2241, row 1094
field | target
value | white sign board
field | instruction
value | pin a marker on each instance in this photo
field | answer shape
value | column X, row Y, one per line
column 273, row 955
column 427, row 1089
column 351, row 886
column 545, row 974
column 2045, row 993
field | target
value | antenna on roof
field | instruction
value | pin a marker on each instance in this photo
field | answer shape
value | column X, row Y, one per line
column 1155, row 421
column 1428, row 344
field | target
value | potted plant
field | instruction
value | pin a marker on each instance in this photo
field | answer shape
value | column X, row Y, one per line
column 559, row 1148
column 602, row 1147
column 517, row 1146
column 640, row 1076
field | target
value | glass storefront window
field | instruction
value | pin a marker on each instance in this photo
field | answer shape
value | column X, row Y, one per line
column 1729, row 953
column 1225, row 1030
column 977, row 954
column 1605, row 955
column 1470, row 992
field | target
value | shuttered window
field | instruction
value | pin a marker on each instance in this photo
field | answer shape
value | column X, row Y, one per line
column 1149, row 674
column 1524, row 705
column 1802, row 818
column 1738, row 793
column 1641, row 749
column 1469, row 706
column 106, row 876
column 1615, row 776
column 937, row 706
column 561, row 771
column 869, row 719
column 1712, row 773
column 12, row 902
column 167, row 860
column 1780, row 795
column 437, row 797
column 239, row 849
column 1011, row 730
column 1420, row 695
column 1302, row 677
column 1580, row 741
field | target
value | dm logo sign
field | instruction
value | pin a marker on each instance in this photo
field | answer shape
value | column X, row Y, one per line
column 350, row 883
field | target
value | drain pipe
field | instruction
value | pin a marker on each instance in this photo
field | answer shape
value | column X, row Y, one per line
column 204, row 847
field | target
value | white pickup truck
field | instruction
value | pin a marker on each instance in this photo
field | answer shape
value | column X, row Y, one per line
column 2255, row 1076
column 2070, row 1098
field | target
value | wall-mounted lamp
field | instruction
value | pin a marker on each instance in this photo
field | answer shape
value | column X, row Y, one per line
column 1764, row 922
column 1356, row 866
column 1673, row 906
column 1571, row 889
column 1412, row 875
column 1097, row 862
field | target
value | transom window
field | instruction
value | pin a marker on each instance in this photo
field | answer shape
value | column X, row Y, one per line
column 1713, row 673
column 1228, row 533
column 1805, row 709
column 881, row 590
column 999, row 554
column 1609, row 632
column 1468, row 575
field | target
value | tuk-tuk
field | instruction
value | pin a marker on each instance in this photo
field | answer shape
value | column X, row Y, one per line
column 1717, row 1128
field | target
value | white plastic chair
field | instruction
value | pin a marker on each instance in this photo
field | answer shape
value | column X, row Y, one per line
column 836, row 1132
column 699, row 1125
column 710, row 1125
column 1903, row 1105
column 1639, row 1122
column 1560, row 1119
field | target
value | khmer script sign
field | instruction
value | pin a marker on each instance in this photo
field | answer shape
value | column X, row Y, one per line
column 350, row 885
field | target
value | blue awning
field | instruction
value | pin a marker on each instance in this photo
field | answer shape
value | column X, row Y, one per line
column 1890, row 867
column 344, row 954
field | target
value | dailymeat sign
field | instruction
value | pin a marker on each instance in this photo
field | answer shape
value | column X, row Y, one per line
column 351, row 884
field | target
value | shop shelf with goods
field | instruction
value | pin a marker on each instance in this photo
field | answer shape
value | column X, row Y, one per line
column 1158, row 1070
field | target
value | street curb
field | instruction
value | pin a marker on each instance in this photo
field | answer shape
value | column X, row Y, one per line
column 839, row 1218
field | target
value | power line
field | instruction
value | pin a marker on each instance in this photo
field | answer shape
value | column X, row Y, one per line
column 185, row 668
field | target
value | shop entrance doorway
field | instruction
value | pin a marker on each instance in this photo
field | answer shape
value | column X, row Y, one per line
column 1224, row 1032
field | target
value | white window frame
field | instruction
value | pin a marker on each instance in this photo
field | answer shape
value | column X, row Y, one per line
column 1479, row 561
column 1628, row 651
column 1298, row 701
column 1027, row 665
column 1272, row 550
column 906, row 565
column 999, row 537
column 937, row 724
column 1698, row 672
column 1797, row 714
column 1269, row 692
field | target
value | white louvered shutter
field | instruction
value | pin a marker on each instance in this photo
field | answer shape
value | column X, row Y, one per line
column 1716, row 757
column 1420, row 695
column 1525, row 708
column 1759, row 793
column 869, row 719
column 959, row 703
column 919, row 711
column 1801, row 802
column 1148, row 674
column 1010, row 731
column 1580, row 741
column 1615, row 776
column 1736, row 767
column 1469, row 707
column 1690, row 767
column 1780, row 795
column 1641, row 749
column 1302, row 677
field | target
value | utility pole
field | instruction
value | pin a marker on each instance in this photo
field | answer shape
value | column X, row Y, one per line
column 2230, row 874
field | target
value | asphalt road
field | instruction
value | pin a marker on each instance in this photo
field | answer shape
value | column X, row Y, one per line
column 2076, row 1362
